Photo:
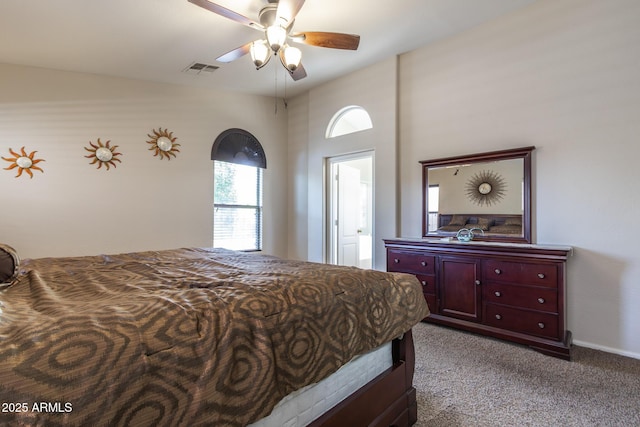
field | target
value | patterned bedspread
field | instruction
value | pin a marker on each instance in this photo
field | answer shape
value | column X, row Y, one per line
column 184, row 337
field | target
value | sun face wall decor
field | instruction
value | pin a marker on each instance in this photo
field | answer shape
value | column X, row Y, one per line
column 103, row 154
column 163, row 143
column 486, row 188
column 23, row 161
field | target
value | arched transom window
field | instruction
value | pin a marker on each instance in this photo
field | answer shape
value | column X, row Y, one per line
column 349, row 120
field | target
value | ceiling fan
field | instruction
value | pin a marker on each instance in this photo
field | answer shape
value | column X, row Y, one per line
column 276, row 21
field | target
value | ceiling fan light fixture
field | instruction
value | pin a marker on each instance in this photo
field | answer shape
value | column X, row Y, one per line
column 260, row 53
column 291, row 57
column 276, row 36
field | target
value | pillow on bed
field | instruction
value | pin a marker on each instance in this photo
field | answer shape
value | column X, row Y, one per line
column 458, row 220
column 513, row 221
column 506, row 229
column 9, row 263
column 483, row 224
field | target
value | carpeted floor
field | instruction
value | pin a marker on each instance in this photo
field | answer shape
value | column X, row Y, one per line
column 463, row 379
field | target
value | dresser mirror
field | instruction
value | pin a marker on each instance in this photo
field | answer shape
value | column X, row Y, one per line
column 486, row 193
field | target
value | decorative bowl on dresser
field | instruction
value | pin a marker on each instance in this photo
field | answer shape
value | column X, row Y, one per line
column 510, row 291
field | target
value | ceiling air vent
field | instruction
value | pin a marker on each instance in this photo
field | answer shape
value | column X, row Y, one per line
column 199, row 68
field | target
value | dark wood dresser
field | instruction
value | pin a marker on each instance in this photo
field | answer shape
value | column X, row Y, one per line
column 510, row 291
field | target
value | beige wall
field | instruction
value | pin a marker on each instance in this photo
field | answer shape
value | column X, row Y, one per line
column 298, row 159
column 374, row 90
column 563, row 76
column 144, row 203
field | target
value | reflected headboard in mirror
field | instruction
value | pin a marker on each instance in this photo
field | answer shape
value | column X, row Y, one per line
column 487, row 191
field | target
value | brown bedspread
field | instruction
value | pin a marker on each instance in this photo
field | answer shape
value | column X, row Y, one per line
column 185, row 337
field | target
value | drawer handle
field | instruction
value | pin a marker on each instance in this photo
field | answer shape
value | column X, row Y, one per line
column 396, row 260
column 541, row 300
column 498, row 316
column 498, row 271
column 477, row 282
column 540, row 325
column 424, row 283
column 424, row 263
column 498, row 294
column 541, row 275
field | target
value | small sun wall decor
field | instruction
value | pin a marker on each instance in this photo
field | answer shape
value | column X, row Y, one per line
column 486, row 188
column 23, row 161
column 164, row 143
column 103, row 154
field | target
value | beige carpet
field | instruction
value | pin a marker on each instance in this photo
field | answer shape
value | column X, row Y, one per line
column 464, row 379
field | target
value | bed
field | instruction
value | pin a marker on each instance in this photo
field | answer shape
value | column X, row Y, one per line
column 197, row 336
column 450, row 224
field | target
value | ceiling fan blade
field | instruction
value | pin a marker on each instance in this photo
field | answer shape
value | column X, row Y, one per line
column 288, row 10
column 330, row 40
column 299, row 73
column 227, row 13
column 235, row 53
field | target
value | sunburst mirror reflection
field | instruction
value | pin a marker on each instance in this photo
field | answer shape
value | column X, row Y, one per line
column 486, row 188
column 163, row 143
column 23, row 161
column 103, row 154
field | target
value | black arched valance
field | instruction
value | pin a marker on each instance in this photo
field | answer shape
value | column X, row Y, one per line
column 238, row 146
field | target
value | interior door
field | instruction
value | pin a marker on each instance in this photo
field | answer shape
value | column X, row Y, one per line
column 348, row 232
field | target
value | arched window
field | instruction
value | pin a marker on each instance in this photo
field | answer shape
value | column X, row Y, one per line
column 238, row 161
column 348, row 120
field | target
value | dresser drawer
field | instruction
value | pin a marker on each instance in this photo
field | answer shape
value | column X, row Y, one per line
column 534, row 298
column 428, row 283
column 526, row 321
column 410, row 262
column 521, row 273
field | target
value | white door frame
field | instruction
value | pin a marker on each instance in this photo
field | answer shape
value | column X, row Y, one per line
column 331, row 208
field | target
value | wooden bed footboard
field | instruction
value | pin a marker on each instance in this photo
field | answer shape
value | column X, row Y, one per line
column 387, row 400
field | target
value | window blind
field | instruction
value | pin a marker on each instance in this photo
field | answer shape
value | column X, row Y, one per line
column 237, row 220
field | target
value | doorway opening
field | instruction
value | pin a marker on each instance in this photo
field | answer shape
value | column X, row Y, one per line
column 350, row 208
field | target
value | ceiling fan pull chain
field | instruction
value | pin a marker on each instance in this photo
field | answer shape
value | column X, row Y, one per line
column 284, row 100
column 275, row 90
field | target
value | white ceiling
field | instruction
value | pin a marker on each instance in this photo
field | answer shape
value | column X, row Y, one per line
column 157, row 39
